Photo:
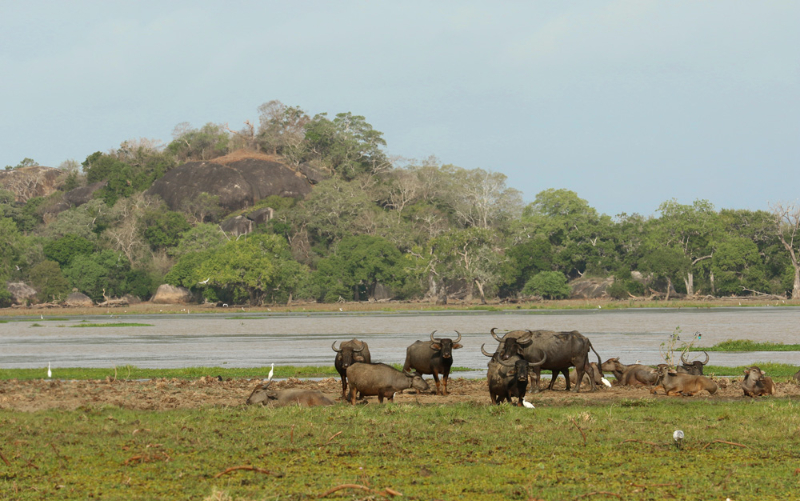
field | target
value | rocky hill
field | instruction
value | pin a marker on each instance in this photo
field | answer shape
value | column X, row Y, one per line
column 240, row 179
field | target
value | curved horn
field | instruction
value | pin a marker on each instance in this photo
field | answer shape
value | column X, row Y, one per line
column 525, row 339
column 506, row 363
column 432, row 333
column 333, row 347
column 362, row 345
column 459, row 337
column 707, row 358
column 541, row 362
column 683, row 360
column 499, row 340
column 485, row 352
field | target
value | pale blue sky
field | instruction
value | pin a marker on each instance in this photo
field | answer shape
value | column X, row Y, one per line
column 628, row 103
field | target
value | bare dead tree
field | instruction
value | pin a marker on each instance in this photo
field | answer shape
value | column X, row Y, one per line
column 787, row 227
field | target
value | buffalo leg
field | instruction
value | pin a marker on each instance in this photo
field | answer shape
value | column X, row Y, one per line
column 534, row 376
column 436, row 378
column 344, row 388
column 445, row 377
column 352, row 395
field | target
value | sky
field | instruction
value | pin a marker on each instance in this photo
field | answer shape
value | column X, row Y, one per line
column 628, row 103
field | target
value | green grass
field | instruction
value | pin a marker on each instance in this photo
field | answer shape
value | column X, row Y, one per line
column 465, row 451
column 772, row 369
column 114, row 324
column 747, row 345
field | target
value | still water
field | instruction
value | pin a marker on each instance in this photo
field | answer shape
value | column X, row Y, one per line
column 231, row 339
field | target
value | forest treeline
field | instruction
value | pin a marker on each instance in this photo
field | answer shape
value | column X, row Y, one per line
column 409, row 229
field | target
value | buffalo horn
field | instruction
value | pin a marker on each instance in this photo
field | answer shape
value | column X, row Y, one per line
column 541, row 362
column 707, row 358
column 333, row 347
column 459, row 337
column 499, row 340
column 683, row 359
column 432, row 339
column 360, row 343
column 483, row 350
column 526, row 338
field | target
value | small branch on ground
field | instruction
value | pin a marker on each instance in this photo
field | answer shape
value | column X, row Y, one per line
column 724, row 442
column 579, row 429
column 249, row 468
column 4, row 459
column 387, row 492
column 334, row 436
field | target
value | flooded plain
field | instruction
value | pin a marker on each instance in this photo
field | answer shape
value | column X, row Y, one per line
column 231, row 339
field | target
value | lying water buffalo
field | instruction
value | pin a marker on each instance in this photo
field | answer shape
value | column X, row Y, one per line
column 508, row 378
column 675, row 383
column 695, row 367
column 349, row 352
column 381, row 380
column 757, row 383
column 797, row 377
column 562, row 350
column 279, row 398
column 433, row 357
column 630, row 375
column 592, row 372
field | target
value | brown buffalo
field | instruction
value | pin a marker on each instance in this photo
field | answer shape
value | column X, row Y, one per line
column 280, row 398
column 695, row 367
column 756, row 383
column 675, row 383
column 433, row 357
column 381, row 380
column 590, row 371
column 348, row 353
column 640, row 375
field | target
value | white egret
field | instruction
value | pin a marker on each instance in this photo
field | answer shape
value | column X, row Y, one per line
column 527, row 404
column 605, row 382
column 49, row 373
column 678, row 437
column 205, row 281
column 271, row 371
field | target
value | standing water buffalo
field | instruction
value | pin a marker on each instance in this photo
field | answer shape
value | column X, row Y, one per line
column 561, row 349
column 756, row 383
column 508, row 378
column 349, row 353
column 381, row 380
column 675, row 383
column 433, row 357
column 695, row 368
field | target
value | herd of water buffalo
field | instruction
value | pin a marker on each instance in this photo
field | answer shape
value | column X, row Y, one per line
column 520, row 357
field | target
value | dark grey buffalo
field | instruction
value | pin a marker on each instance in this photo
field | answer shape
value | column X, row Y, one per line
column 562, row 350
column 279, row 398
column 433, row 357
column 381, row 380
column 507, row 378
column 797, row 377
column 695, row 368
column 349, row 352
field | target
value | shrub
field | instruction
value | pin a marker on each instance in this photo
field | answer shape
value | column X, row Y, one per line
column 548, row 284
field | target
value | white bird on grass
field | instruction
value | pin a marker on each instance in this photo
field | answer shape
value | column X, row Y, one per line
column 527, row 404
column 678, row 437
column 271, row 371
column 605, row 382
column 49, row 373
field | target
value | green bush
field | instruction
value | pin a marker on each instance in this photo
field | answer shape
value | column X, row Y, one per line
column 548, row 284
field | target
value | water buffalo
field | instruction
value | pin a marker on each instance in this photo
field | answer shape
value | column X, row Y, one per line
column 433, row 357
column 640, row 375
column 280, row 398
column 695, row 367
column 381, row 380
column 592, row 372
column 756, row 383
column 797, row 377
column 508, row 378
column 349, row 352
column 675, row 383
column 562, row 350
column 614, row 366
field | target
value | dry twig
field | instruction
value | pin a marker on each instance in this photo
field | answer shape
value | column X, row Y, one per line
column 387, row 492
column 334, row 436
column 579, row 429
column 718, row 441
column 249, row 468
column 4, row 459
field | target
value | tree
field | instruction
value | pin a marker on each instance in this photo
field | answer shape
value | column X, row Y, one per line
column 666, row 262
column 49, row 282
column 737, row 266
column 693, row 229
column 163, row 228
column 12, row 244
column 281, row 128
column 481, row 199
column 202, row 237
column 26, row 162
column 549, row 285
column 467, row 255
column 787, row 228
column 62, row 250
column 104, row 270
column 524, row 261
column 202, row 207
column 205, row 143
column 357, row 265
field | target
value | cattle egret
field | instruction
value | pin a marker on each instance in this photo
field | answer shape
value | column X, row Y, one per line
column 41, row 316
column 205, row 281
column 340, row 309
column 605, row 382
column 49, row 373
column 224, row 305
column 527, row 404
column 678, row 437
column 271, row 371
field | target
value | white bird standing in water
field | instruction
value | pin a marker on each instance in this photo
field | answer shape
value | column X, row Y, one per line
column 49, row 373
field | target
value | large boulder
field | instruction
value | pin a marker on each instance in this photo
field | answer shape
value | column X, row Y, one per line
column 78, row 300
column 21, row 293
column 239, row 225
column 169, row 294
column 590, row 288
column 239, row 180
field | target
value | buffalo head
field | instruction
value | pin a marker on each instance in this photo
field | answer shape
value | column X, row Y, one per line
column 510, row 346
column 346, row 350
column 695, row 368
column 446, row 345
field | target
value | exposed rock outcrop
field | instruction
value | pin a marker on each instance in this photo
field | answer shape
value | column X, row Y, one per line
column 78, row 300
column 169, row 294
column 590, row 288
column 239, row 180
column 21, row 293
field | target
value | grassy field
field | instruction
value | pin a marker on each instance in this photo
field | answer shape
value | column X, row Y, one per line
column 733, row 449
column 747, row 345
